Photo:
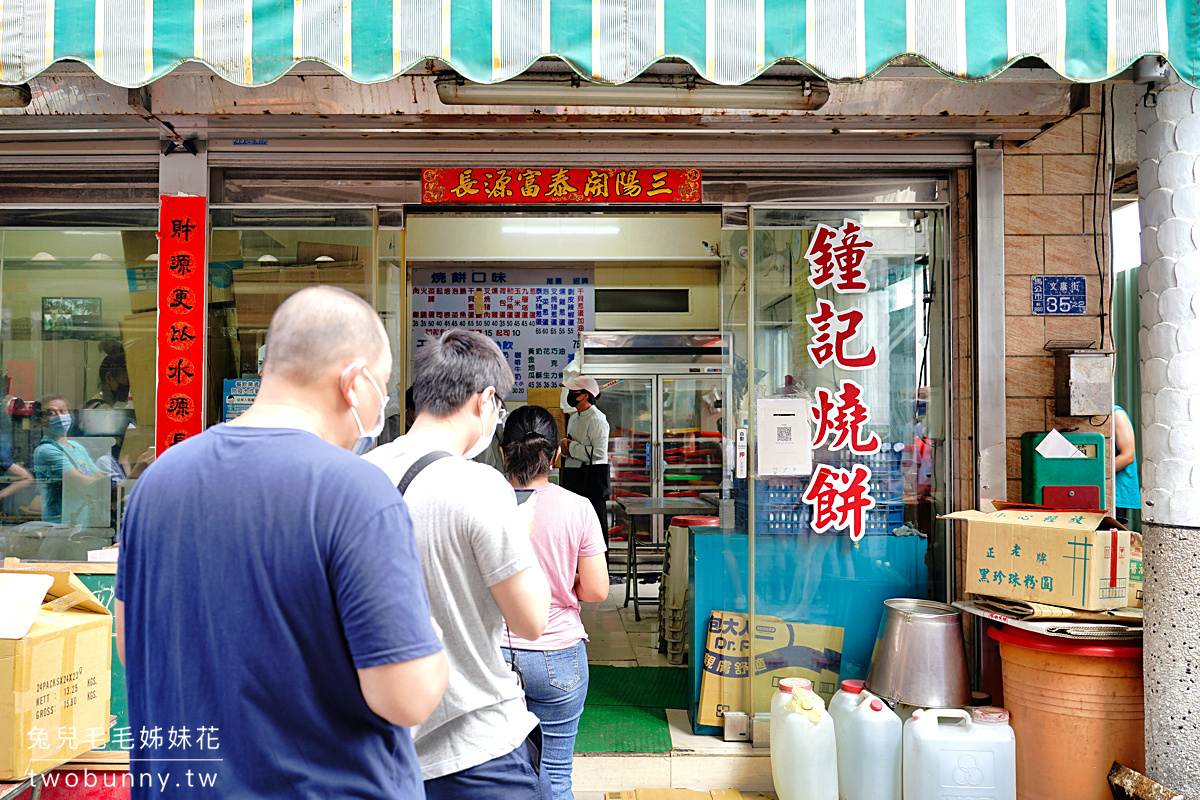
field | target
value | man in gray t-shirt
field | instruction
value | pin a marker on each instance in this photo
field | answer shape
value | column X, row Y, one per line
column 480, row 571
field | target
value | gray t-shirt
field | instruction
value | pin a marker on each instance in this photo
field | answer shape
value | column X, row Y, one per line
column 464, row 518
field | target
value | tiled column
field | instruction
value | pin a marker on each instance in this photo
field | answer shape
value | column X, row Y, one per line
column 1168, row 143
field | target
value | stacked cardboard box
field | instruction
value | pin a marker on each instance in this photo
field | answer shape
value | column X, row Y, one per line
column 55, row 671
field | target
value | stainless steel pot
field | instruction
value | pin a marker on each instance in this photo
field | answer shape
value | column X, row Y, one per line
column 919, row 657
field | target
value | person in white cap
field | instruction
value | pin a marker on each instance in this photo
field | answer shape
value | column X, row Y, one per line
column 585, row 450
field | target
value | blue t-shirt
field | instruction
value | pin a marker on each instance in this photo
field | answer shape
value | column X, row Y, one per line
column 52, row 460
column 259, row 568
column 1127, row 487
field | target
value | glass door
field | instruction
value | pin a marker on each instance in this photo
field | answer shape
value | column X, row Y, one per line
column 845, row 343
column 693, row 454
column 629, row 403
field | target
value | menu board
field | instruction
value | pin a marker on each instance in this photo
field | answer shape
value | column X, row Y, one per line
column 534, row 315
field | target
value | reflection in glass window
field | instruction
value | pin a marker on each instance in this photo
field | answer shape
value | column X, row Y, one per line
column 847, row 316
column 256, row 261
column 77, row 428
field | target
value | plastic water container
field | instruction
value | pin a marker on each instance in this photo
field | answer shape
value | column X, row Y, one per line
column 844, row 701
column 954, row 753
column 786, row 685
column 870, row 751
column 803, row 748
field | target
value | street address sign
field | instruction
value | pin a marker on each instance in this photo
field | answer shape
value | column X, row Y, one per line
column 1053, row 295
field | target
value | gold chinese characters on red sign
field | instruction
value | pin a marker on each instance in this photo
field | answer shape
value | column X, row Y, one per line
column 559, row 186
column 181, row 276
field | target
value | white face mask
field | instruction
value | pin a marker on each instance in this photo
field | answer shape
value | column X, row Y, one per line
column 367, row 438
column 486, row 436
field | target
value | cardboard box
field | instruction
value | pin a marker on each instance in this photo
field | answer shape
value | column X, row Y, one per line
column 782, row 650
column 1073, row 559
column 1135, row 571
column 55, row 680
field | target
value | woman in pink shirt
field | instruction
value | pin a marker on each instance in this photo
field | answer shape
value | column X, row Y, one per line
column 570, row 547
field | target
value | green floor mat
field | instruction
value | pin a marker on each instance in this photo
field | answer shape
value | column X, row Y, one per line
column 623, row 729
column 659, row 687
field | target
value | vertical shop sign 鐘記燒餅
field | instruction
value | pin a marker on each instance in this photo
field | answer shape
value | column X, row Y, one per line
column 840, row 498
column 534, row 315
column 182, row 230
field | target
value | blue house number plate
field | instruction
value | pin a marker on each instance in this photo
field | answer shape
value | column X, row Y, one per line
column 1059, row 294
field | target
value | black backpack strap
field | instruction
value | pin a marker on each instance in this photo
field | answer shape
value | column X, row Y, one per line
column 421, row 463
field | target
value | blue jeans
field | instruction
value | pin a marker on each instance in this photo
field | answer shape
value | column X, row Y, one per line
column 556, row 683
column 509, row 777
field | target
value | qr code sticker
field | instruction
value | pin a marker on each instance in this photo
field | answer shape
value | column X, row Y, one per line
column 783, row 435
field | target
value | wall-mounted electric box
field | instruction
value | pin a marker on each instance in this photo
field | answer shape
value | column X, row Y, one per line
column 1083, row 382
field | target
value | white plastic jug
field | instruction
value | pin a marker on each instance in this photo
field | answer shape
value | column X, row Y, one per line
column 871, row 751
column 844, row 701
column 803, row 749
column 786, row 685
column 950, row 752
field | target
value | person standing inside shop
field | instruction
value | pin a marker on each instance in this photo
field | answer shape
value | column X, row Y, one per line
column 585, row 450
column 269, row 592
column 567, row 540
column 481, row 743
column 64, row 467
column 1128, row 488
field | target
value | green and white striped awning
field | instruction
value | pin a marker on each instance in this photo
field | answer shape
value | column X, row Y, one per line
column 253, row 42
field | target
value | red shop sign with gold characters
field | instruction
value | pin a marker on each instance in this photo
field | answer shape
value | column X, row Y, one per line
column 548, row 185
column 182, row 229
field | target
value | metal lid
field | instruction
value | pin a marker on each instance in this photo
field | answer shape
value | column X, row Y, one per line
column 990, row 715
column 852, row 687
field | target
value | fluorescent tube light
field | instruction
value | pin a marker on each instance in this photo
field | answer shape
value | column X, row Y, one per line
column 658, row 91
column 567, row 229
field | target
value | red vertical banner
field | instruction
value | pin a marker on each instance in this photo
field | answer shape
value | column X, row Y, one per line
column 182, row 231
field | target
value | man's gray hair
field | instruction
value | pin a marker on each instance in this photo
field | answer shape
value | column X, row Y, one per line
column 450, row 369
column 321, row 328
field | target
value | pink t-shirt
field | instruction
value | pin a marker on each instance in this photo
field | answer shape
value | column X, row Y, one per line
column 565, row 529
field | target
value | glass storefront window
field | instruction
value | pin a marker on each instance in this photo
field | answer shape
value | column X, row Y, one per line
column 77, row 428
column 815, row 589
column 258, row 257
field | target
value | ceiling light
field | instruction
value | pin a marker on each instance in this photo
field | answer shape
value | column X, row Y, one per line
column 43, row 256
column 560, row 229
column 319, row 259
column 101, row 257
column 649, row 91
column 152, row 257
column 268, row 259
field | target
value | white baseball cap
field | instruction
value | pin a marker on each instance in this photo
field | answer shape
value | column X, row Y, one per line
column 583, row 383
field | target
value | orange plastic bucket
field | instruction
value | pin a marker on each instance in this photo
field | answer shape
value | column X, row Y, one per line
column 1076, row 708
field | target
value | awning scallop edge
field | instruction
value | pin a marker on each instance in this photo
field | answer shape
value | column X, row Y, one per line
column 254, row 42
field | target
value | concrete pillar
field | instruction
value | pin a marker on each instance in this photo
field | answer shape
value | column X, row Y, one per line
column 1168, row 143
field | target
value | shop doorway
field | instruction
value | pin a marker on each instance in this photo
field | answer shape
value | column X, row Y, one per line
column 674, row 430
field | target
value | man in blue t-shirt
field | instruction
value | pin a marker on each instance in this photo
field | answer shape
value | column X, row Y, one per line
column 271, row 605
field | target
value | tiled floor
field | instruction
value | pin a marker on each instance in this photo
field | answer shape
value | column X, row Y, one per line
column 695, row 762
column 616, row 638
